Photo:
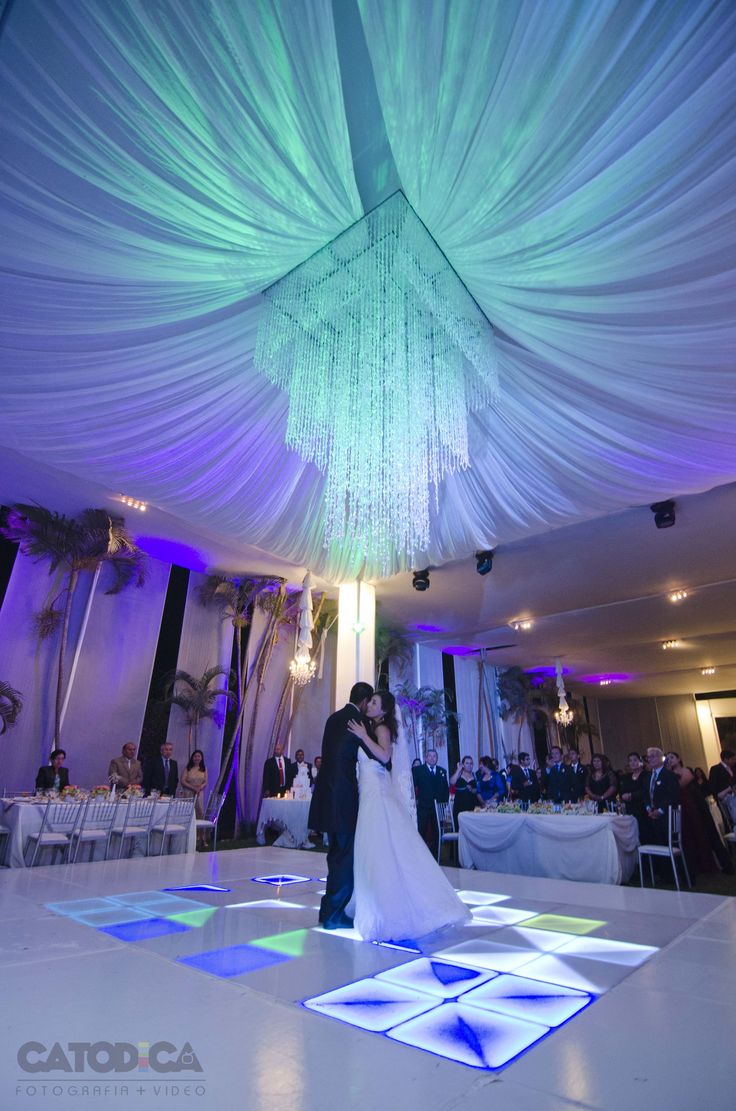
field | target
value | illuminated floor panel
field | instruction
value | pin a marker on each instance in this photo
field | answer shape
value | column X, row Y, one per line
column 484, row 953
column 281, row 881
column 548, row 1004
column 439, row 978
column 372, row 1004
column 143, row 930
column 501, row 916
column 470, row 1036
column 235, row 960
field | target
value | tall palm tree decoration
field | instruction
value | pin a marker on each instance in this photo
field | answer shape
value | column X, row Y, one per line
column 11, row 704
column 427, row 709
column 391, row 646
column 522, row 702
column 196, row 698
column 73, row 544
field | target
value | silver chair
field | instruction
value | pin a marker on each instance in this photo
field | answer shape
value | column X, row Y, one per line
column 728, row 834
column 445, row 826
column 673, row 849
column 97, row 822
column 212, row 810
column 4, row 842
column 58, row 824
column 136, row 823
column 179, row 815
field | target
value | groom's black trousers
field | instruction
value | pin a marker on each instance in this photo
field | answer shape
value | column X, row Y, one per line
column 339, row 878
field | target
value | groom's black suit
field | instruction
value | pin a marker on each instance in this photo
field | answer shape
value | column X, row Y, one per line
column 334, row 811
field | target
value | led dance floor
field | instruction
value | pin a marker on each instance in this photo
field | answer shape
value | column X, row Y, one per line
column 205, row 982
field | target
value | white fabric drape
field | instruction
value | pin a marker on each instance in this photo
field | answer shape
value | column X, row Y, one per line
column 164, row 163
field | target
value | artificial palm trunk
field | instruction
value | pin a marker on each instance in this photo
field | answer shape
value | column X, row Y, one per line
column 71, row 589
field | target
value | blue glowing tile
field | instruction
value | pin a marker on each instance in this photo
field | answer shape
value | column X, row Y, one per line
column 470, row 1036
column 607, row 949
column 198, row 887
column 270, row 904
column 233, row 961
column 372, row 1004
column 481, row 898
column 549, row 1004
column 485, row 953
column 351, row 934
column 143, row 930
column 439, row 978
column 501, row 916
column 281, row 881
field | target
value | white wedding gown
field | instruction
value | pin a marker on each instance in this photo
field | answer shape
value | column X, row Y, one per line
column 400, row 891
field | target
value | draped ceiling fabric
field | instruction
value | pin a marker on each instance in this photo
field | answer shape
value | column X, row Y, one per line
column 164, row 162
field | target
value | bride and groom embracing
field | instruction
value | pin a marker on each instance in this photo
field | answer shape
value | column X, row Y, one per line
column 380, row 875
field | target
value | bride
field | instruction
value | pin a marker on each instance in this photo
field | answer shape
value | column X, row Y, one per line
column 400, row 892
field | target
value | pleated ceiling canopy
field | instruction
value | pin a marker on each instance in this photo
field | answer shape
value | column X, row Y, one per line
column 165, row 161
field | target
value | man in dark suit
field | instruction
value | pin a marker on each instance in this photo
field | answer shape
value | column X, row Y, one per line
column 431, row 785
column 53, row 776
column 557, row 781
column 721, row 779
column 276, row 772
column 661, row 792
column 301, row 769
column 334, row 807
column 161, row 773
column 523, row 780
column 578, row 776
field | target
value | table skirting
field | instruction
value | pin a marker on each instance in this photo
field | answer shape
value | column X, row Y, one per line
column 291, row 817
column 598, row 848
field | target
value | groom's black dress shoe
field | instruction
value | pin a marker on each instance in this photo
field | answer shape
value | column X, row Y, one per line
column 340, row 923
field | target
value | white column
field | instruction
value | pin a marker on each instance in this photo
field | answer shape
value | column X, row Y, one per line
column 356, row 650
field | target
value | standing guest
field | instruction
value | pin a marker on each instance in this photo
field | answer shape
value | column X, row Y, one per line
column 557, row 778
column 161, row 773
column 416, row 763
column 601, row 784
column 463, row 780
column 700, row 841
column 721, row 776
column 524, row 782
column 633, row 788
column 125, row 771
column 276, row 773
column 53, row 776
column 701, row 781
column 430, row 785
column 662, row 792
column 194, row 781
column 578, row 775
column 316, row 765
column 300, row 770
column 489, row 783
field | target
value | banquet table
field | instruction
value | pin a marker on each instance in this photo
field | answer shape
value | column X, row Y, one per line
column 23, row 818
column 291, row 817
column 594, row 848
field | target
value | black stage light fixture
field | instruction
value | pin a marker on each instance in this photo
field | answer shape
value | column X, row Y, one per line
column 664, row 513
column 483, row 562
column 420, row 580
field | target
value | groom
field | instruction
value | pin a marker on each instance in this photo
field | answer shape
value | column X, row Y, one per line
column 334, row 808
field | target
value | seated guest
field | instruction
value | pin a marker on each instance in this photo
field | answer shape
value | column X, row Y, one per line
column 557, row 780
column 662, row 790
column 463, row 780
column 601, row 784
column 489, row 783
column 53, row 776
column 276, row 773
column 161, row 773
column 300, row 772
column 721, row 776
column 578, row 774
column 523, row 780
column 125, row 770
column 633, row 786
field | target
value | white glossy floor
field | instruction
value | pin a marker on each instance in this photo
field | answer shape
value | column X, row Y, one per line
column 649, row 979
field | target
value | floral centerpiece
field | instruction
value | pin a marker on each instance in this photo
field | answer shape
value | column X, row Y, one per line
column 102, row 791
column 71, row 793
column 509, row 808
column 132, row 791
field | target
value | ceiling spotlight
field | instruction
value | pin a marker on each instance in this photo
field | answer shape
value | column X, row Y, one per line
column 664, row 513
column 483, row 562
column 420, row 580
column 677, row 596
column 521, row 626
column 606, row 682
column 670, row 644
column 708, row 671
column 133, row 503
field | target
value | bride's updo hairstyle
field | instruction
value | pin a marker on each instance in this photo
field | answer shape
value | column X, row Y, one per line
column 388, row 705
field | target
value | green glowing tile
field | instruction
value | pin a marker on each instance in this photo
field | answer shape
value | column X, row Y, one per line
column 290, row 943
column 563, row 924
column 193, row 917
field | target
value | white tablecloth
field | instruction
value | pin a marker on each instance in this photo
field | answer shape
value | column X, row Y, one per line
column 288, row 815
column 599, row 848
column 24, row 819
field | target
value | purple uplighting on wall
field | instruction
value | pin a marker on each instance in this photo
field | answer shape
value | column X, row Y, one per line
column 170, row 551
column 606, row 677
column 429, row 628
column 546, row 671
column 460, row 649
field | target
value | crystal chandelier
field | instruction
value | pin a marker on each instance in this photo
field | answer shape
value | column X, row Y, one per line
column 303, row 667
column 302, row 670
column 384, row 353
column 564, row 715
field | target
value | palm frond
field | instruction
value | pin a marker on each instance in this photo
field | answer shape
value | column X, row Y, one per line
column 11, row 704
column 47, row 621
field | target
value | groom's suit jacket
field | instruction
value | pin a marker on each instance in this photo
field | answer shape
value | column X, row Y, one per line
column 334, row 807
